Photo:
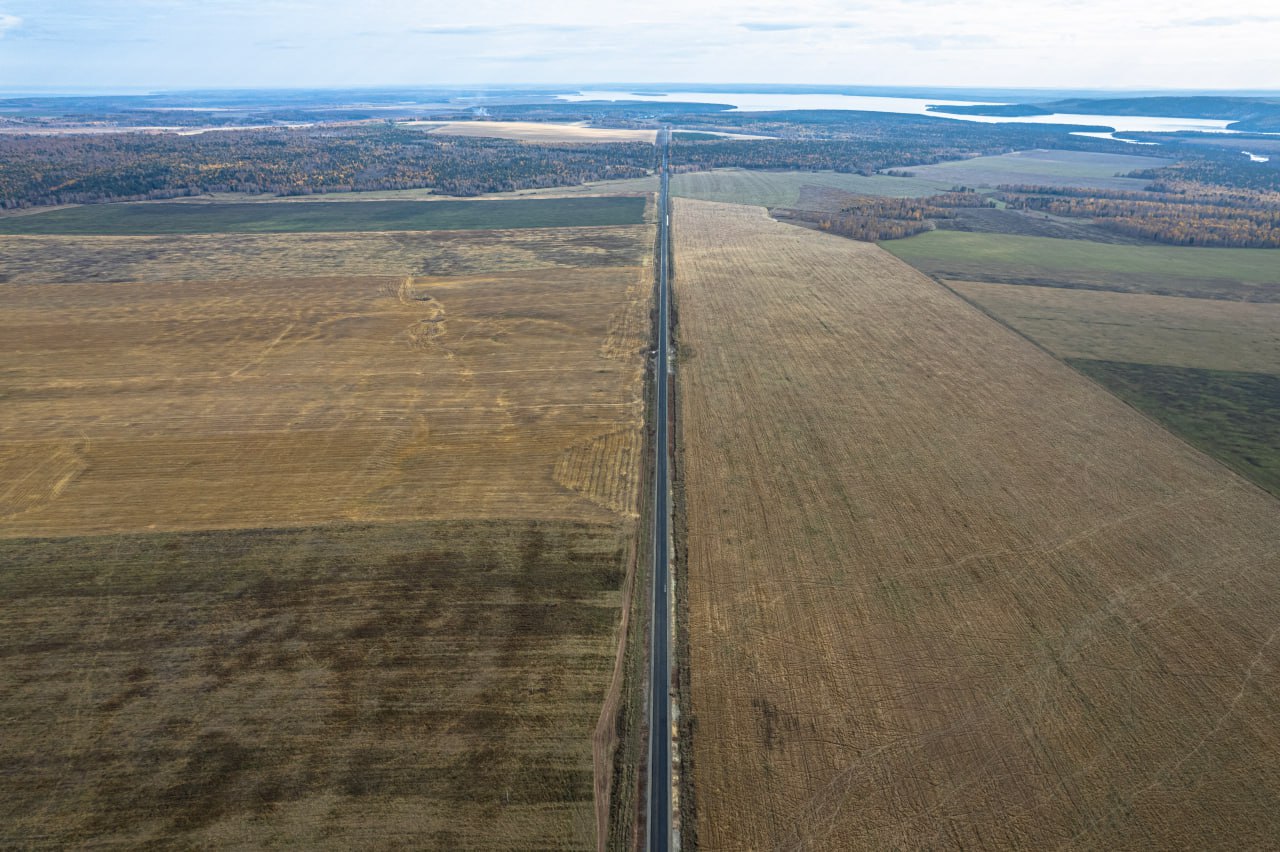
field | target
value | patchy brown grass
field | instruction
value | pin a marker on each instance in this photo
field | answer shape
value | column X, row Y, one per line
column 416, row 685
column 943, row 591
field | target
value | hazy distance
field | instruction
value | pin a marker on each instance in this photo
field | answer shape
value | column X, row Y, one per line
column 77, row 45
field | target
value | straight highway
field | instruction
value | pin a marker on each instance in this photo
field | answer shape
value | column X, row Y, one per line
column 658, row 822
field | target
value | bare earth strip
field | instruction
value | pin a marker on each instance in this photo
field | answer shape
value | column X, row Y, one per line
column 943, row 591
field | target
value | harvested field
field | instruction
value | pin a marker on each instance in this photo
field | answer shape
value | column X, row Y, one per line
column 943, row 591
column 207, row 257
column 1207, row 369
column 1233, row 416
column 1044, row 168
column 418, row 685
column 258, row 218
column 300, row 401
column 1247, row 275
column 316, row 541
column 1204, row 333
column 538, row 131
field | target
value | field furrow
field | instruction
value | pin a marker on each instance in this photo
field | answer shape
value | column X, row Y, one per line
column 944, row 591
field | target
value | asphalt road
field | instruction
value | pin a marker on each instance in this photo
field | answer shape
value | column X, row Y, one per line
column 658, row 822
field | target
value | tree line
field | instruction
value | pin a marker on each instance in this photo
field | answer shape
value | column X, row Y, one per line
column 1194, row 215
column 872, row 219
column 40, row 170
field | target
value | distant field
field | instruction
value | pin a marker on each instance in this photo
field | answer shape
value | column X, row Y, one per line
column 1043, row 168
column 990, row 220
column 212, row 257
column 1232, row 415
column 215, row 218
column 783, row 189
column 944, row 592
column 1207, row 369
column 388, row 478
column 626, row 186
column 1204, row 333
column 538, row 131
column 1215, row 273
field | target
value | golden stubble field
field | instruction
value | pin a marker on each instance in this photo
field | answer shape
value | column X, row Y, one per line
column 246, row 403
column 316, row 541
column 943, row 592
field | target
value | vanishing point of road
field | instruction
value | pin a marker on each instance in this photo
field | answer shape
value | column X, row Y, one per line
column 658, row 821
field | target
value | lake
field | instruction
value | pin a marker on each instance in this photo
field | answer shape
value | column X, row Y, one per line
column 763, row 101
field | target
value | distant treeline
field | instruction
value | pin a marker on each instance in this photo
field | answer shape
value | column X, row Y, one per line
column 871, row 219
column 862, row 142
column 39, row 170
column 1219, row 169
column 1188, row 214
column 918, row 129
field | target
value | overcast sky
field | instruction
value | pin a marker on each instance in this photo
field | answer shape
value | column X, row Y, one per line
column 81, row 44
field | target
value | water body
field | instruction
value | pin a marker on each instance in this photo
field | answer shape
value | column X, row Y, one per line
column 762, row 101
column 1115, row 138
column 1256, row 158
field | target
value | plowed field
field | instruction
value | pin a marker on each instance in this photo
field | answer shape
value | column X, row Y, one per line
column 943, row 592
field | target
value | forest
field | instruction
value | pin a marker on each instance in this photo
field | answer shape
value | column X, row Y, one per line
column 871, row 219
column 43, row 170
column 1220, row 169
column 862, row 142
column 1184, row 214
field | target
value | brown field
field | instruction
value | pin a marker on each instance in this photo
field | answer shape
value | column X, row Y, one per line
column 316, row 541
column 943, row 592
column 416, row 685
column 538, row 131
column 300, row 401
column 1205, row 333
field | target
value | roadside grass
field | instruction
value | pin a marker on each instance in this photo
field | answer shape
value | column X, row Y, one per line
column 212, row 218
column 1042, row 168
column 1218, row 273
column 1233, row 416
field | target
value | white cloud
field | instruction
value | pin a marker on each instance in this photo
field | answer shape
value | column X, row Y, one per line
column 995, row 43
